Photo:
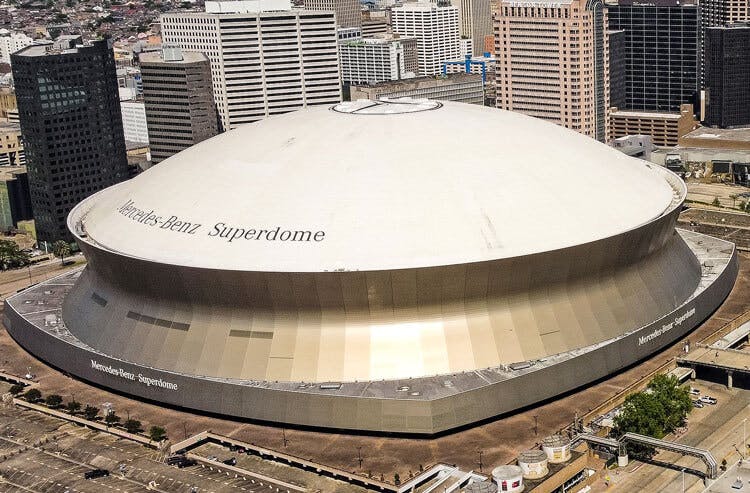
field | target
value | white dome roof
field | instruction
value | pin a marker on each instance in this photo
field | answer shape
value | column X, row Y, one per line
column 359, row 191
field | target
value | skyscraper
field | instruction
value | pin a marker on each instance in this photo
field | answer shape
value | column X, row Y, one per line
column 262, row 63
column 180, row 108
column 661, row 52
column 728, row 76
column 348, row 12
column 70, row 117
column 475, row 22
column 372, row 60
column 436, row 30
column 617, row 69
column 719, row 13
column 10, row 42
column 553, row 62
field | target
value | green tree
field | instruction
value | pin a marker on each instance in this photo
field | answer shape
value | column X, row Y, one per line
column 90, row 412
column 716, row 202
column 11, row 255
column 61, row 249
column 655, row 412
column 396, row 479
column 132, row 425
column 674, row 398
column 111, row 418
column 157, row 433
column 32, row 395
column 53, row 401
column 16, row 388
column 73, row 407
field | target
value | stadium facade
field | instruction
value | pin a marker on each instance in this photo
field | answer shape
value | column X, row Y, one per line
column 361, row 267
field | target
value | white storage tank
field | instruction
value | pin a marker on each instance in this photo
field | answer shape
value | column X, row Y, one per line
column 557, row 448
column 533, row 464
column 481, row 487
column 508, row 478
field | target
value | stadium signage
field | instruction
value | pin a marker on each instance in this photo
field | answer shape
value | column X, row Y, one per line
column 119, row 372
column 221, row 230
column 676, row 322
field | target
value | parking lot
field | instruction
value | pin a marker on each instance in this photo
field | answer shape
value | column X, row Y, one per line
column 39, row 453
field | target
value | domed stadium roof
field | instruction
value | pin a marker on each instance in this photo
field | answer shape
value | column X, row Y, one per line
column 375, row 186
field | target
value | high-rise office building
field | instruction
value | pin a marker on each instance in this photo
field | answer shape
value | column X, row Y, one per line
column 719, row 13
column 436, row 30
column 134, row 121
column 70, row 117
column 617, row 69
column 180, row 108
column 372, row 60
column 727, row 80
column 553, row 62
column 348, row 12
column 475, row 22
column 661, row 52
column 262, row 62
column 11, row 42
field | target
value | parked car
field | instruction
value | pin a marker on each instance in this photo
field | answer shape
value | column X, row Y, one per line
column 707, row 399
column 694, row 391
column 174, row 459
column 697, row 404
column 96, row 473
column 230, row 462
column 185, row 463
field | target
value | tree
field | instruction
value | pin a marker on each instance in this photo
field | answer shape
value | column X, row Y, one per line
column 716, row 202
column 61, row 249
column 111, row 418
column 157, row 433
column 73, row 407
column 90, row 412
column 53, row 401
column 657, row 411
column 132, row 425
column 16, row 388
column 396, row 479
column 674, row 398
column 32, row 395
column 11, row 255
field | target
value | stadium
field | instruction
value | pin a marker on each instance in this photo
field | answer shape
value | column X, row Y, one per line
column 403, row 266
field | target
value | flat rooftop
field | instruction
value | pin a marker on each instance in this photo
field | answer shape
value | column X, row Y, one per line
column 733, row 134
column 157, row 57
column 9, row 172
column 647, row 114
column 428, row 80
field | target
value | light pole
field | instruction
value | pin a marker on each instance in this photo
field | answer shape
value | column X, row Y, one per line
column 683, row 480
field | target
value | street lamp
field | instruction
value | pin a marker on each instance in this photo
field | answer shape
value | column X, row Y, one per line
column 683, row 480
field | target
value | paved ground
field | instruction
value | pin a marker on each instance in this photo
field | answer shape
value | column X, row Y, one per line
column 707, row 192
column 278, row 470
column 717, row 428
column 39, row 453
column 733, row 226
column 12, row 281
column 730, row 359
column 499, row 440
